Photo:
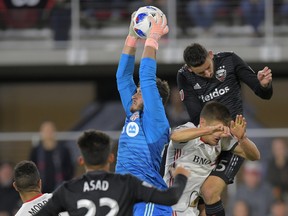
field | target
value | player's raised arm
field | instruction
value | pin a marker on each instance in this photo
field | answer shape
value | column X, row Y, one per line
column 124, row 75
column 155, row 92
column 260, row 83
column 186, row 134
column 131, row 39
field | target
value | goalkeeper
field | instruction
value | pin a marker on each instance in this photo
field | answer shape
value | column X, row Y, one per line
column 146, row 128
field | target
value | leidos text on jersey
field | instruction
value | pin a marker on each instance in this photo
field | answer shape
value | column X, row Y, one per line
column 214, row 94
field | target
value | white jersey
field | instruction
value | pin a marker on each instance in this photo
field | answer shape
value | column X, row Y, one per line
column 31, row 207
column 200, row 159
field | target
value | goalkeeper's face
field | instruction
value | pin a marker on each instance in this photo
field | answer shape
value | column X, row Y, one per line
column 137, row 101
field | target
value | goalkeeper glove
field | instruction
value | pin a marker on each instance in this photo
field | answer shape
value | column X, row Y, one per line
column 159, row 28
column 132, row 38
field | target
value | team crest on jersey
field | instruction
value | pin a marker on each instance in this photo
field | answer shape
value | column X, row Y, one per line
column 181, row 92
column 132, row 129
column 134, row 116
column 221, row 73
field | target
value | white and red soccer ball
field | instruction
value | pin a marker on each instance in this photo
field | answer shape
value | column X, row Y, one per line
column 142, row 25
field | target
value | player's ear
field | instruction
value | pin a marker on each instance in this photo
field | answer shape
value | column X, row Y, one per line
column 111, row 158
column 211, row 55
column 14, row 185
column 80, row 160
column 202, row 122
column 40, row 184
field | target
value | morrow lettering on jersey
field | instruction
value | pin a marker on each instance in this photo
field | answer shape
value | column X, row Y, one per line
column 37, row 207
column 214, row 94
column 95, row 185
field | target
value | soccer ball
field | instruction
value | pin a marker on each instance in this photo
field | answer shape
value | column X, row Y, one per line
column 142, row 24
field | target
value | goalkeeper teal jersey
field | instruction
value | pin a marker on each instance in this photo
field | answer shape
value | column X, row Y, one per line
column 145, row 132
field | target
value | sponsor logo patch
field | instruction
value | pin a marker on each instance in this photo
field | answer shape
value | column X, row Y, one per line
column 132, row 129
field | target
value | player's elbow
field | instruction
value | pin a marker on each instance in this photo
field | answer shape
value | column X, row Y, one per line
column 178, row 136
column 256, row 156
column 173, row 137
column 268, row 97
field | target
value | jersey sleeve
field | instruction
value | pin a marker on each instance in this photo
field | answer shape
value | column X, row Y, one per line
column 247, row 75
column 54, row 205
column 190, row 99
column 125, row 82
column 228, row 143
column 155, row 121
column 180, row 145
column 169, row 197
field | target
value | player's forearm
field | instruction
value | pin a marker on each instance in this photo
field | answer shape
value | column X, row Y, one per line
column 170, row 196
column 265, row 92
column 188, row 134
column 149, row 52
column 130, row 46
column 249, row 148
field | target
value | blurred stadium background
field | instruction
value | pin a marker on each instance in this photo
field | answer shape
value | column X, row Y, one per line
column 58, row 61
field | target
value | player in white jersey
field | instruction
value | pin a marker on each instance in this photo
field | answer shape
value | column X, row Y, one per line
column 30, row 207
column 198, row 148
column 28, row 183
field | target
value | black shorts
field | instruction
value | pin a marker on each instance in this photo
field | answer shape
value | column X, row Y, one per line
column 227, row 166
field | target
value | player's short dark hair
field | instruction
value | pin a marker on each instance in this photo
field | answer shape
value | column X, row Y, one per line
column 195, row 55
column 26, row 176
column 95, row 147
column 215, row 111
column 164, row 90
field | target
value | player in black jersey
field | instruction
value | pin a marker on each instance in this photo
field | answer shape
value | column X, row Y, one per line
column 206, row 77
column 99, row 192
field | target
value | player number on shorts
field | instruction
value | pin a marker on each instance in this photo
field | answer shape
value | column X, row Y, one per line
column 104, row 201
column 221, row 166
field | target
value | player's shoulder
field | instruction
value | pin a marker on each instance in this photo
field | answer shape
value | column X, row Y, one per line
column 111, row 177
column 46, row 195
column 73, row 185
column 226, row 54
column 183, row 69
column 38, row 201
column 185, row 126
column 124, row 177
column 90, row 180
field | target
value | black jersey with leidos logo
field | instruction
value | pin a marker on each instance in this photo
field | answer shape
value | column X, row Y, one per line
column 224, row 86
column 102, row 193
